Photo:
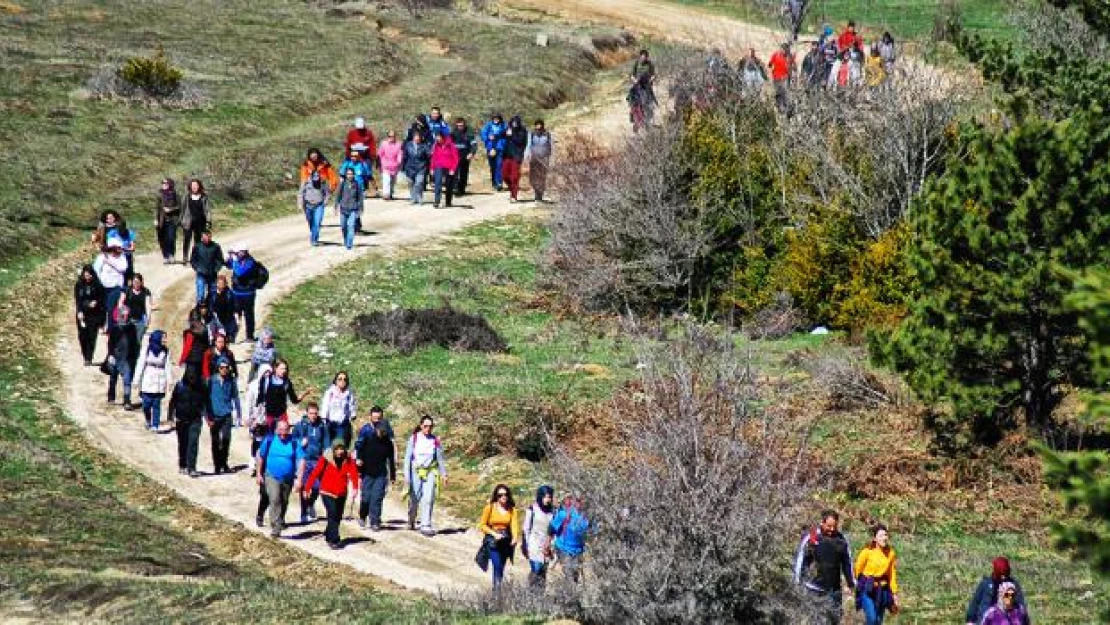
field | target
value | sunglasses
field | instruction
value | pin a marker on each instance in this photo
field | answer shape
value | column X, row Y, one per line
column 502, row 494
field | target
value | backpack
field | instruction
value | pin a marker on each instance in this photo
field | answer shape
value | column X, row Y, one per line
column 261, row 275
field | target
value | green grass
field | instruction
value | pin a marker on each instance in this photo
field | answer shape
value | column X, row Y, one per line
column 905, row 19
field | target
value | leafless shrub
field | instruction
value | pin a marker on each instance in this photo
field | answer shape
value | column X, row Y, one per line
column 1072, row 36
column 416, row 7
column 689, row 508
column 778, row 320
column 406, row 330
column 850, row 384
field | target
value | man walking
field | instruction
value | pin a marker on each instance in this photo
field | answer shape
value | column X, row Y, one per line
column 313, row 437
column 823, row 557
column 377, row 463
column 467, row 145
column 223, row 403
column 280, row 467
column 206, row 260
column 247, row 276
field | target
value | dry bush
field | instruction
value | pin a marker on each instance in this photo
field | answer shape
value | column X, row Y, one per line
column 690, row 506
column 778, row 320
column 406, row 330
column 850, row 384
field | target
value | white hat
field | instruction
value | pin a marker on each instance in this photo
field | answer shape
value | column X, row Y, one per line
column 239, row 246
column 360, row 123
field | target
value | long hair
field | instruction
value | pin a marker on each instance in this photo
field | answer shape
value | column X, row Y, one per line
column 200, row 186
column 510, row 504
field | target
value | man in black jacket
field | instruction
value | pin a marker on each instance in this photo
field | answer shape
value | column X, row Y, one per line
column 376, row 462
column 467, row 145
column 206, row 260
column 123, row 349
column 823, row 557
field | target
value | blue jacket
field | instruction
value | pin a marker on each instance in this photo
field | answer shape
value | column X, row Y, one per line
column 493, row 135
column 571, row 539
column 440, row 127
column 363, row 169
column 313, row 438
column 223, row 396
column 242, row 278
column 985, row 597
column 281, row 458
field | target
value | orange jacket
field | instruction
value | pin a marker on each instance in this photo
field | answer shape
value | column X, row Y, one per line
column 327, row 172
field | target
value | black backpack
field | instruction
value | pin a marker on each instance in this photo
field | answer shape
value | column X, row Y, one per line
column 261, row 275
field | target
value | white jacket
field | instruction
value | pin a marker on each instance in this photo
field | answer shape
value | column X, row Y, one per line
column 153, row 375
column 338, row 406
column 535, row 530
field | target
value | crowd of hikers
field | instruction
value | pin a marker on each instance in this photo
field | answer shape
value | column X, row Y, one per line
column 330, row 454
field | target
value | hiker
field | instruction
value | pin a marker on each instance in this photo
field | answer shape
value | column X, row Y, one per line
column 823, row 558
column 256, row 424
column 841, row 74
column 874, row 74
column 876, row 578
column 752, row 73
column 223, row 307
column 516, row 142
column 202, row 314
column 332, row 473
column 314, row 162
column 569, row 526
column 536, row 535
column 848, row 39
column 416, row 158
column 349, row 199
column 167, row 217
column 223, row 408
column 194, row 343
column 139, row 301
column 206, row 260
column 212, row 356
column 1008, row 610
column 444, row 161
column 493, row 137
column 247, row 276
column 361, row 139
column 153, row 378
column 539, row 161
column 314, row 438
column 196, row 217
column 375, row 456
column 123, row 353
column 355, row 160
column 312, row 199
column 276, row 393
column 90, row 301
column 643, row 73
column 640, row 106
column 110, row 267
column 887, row 52
column 855, row 67
column 988, row 592
column 419, row 126
column 374, row 418
column 425, row 470
column 467, row 145
column 127, row 236
column 812, row 65
column 391, row 155
column 500, row 521
column 265, row 353
column 187, row 406
column 437, row 125
column 280, row 467
column 339, row 407
column 782, row 66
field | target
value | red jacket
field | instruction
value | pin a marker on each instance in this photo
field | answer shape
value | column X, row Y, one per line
column 780, row 65
column 848, row 39
column 333, row 479
column 365, row 137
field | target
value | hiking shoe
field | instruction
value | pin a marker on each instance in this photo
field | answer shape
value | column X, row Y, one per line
column 428, row 532
column 194, row 473
column 376, row 527
column 362, row 523
column 129, row 406
column 258, row 521
column 335, row 546
column 304, row 519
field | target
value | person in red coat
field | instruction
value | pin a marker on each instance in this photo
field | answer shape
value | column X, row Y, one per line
column 849, row 39
column 361, row 134
column 334, row 473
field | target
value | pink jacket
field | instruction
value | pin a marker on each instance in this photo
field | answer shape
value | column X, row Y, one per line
column 390, row 153
column 445, row 155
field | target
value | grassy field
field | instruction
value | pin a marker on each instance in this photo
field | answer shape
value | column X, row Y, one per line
column 565, row 364
column 80, row 535
column 905, row 19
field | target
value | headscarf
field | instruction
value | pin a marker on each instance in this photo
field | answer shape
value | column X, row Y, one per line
column 155, row 346
column 1000, row 569
column 169, row 195
column 1002, row 589
column 540, row 493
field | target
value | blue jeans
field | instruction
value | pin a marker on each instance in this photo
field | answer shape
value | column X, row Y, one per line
column 872, row 614
column 206, row 288
column 416, row 188
column 315, row 217
column 122, row 369
column 498, row 556
column 349, row 221
column 495, row 169
column 371, row 495
column 152, row 408
column 309, row 502
column 443, row 182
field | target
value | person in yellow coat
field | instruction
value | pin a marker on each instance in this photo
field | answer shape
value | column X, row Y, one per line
column 501, row 522
column 877, row 578
column 874, row 73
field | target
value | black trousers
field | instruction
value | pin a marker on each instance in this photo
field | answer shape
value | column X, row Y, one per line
column 334, row 507
column 220, row 431
column 190, row 237
column 87, row 336
column 188, row 442
column 462, row 175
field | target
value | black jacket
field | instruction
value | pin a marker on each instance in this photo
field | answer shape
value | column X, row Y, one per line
column 85, row 294
column 378, row 457
column 206, row 260
column 123, row 344
column 223, row 306
column 187, row 403
column 829, row 557
column 517, row 143
column 465, row 142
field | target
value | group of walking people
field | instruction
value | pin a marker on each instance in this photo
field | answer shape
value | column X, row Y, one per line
column 433, row 151
column 823, row 566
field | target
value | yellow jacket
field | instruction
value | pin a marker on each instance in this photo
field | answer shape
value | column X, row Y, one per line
column 877, row 563
column 496, row 520
column 873, row 71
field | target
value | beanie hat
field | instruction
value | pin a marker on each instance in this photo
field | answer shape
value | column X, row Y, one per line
column 1000, row 568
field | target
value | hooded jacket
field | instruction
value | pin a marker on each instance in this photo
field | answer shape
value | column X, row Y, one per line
column 327, row 172
column 391, row 154
column 516, row 139
column 445, row 155
column 417, row 159
column 89, row 297
column 493, row 136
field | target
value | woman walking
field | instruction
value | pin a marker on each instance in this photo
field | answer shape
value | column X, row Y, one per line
column 425, row 469
column 338, row 407
column 123, row 350
column 539, row 150
column 349, row 199
column 89, row 298
column 213, row 355
column 187, row 411
column 196, row 217
column 167, row 217
column 1008, row 611
column 416, row 158
column 445, row 160
column 987, row 593
column 265, row 353
column 877, row 578
column 276, row 392
column 501, row 522
column 153, row 377
column 139, row 300
column 334, row 473
column 390, row 152
column 111, row 269
column 516, row 143
column 536, row 536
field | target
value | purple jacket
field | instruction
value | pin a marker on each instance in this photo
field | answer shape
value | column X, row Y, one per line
column 998, row 616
